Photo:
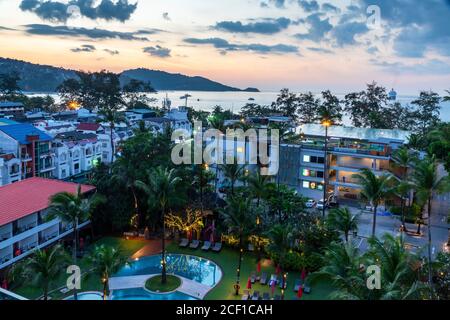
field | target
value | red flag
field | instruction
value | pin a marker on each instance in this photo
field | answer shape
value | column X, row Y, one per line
column 258, row 267
column 249, row 284
column 278, row 270
column 303, row 274
column 300, row 292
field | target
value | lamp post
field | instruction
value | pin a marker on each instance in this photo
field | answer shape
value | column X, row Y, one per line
column 326, row 124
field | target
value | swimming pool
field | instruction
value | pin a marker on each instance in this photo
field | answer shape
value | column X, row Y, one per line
column 191, row 267
column 142, row 294
column 88, row 296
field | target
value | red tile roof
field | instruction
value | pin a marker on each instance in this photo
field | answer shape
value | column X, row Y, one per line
column 28, row 196
column 88, row 127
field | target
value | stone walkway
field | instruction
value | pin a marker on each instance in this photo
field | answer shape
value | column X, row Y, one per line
column 189, row 287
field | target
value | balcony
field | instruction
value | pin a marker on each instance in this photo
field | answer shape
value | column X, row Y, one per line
column 5, row 236
column 6, row 258
column 350, row 183
column 26, row 158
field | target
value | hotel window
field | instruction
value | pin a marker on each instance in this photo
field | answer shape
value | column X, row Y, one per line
column 306, row 158
column 313, row 159
column 312, row 173
column 312, row 185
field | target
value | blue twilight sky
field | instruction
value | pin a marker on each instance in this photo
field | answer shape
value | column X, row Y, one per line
column 270, row 44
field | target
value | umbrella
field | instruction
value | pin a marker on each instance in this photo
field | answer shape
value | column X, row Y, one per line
column 249, row 283
column 278, row 270
column 5, row 284
column 213, row 229
column 303, row 274
column 274, row 285
column 258, row 267
column 300, row 293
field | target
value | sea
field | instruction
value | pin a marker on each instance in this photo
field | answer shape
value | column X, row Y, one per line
column 234, row 101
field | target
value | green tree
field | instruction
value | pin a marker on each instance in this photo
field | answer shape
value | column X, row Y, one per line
column 163, row 192
column 72, row 209
column 45, row 266
column 136, row 94
column 238, row 216
column 439, row 143
column 403, row 159
column 374, row 189
column 287, row 104
column 342, row 220
column 426, row 182
column 427, row 111
column 280, row 243
column 308, row 106
column 330, row 109
column 9, row 86
column 105, row 262
column 233, row 173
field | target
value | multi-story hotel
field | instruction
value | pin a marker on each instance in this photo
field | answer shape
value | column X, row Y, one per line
column 24, row 225
column 302, row 165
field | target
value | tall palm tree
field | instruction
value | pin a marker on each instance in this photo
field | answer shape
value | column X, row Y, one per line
column 113, row 116
column 163, row 188
column 342, row 220
column 427, row 183
column 259, row 186
column 45, row 266
column 403, row 159
column 72, row 209
column 374, row 189
column 280, row 242
column 238, row 216
column 232, row 172
column 106, row 261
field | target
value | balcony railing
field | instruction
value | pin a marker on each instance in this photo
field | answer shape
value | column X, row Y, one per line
column 5, row 236
column 6, row 258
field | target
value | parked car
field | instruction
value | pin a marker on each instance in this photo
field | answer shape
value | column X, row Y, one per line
column 310, row 203
column 320, row 204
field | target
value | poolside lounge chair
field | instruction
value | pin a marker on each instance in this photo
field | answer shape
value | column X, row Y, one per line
column 280, row 284
column 184, row 243
column 266, row 296
column 255, row 295
column 217, row 247
column 306, row 289
column 206, row 246
column 263, row 279
column 297, row 285
column 246, row 295
column 273, row 278
column 194, row 244
column 253, row 276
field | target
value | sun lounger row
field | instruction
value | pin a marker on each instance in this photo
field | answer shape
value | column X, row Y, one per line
column 195, row 244
column 257, row 296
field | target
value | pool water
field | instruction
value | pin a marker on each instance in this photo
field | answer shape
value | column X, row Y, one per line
column 88, row 296
column 142, row 294
column 191, row 267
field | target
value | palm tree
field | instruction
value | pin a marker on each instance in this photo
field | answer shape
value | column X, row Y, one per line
column 71, row 209
column 374, row 190
column 403, row 159
column 163, row 189
column 280, row 242
column 447, row 98
column 232, row 172
column 106, row 261
column 238, row 216
column 45, row 266
column 342, row 220
column 217, row 123
column 112, row 115
column 427, row 183
column 259, row 186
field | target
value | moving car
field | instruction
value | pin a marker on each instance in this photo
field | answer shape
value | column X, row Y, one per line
column 310, row 203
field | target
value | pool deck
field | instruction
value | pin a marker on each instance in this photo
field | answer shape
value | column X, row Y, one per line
column 189, row 287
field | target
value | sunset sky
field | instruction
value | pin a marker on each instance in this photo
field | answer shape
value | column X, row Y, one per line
column 269, row 44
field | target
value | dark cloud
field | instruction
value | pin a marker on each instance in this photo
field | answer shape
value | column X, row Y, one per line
column 345, row 33
column 112, row 52
column 309, row 6
column 268, row 26
column 7, row 29
column 317, row 28
column 423, row 25
column 225, row 46
column 166, row 16
column 157, row 51
column 320, row 50
column 47, row 30
column 120, row 10
column 84, row 48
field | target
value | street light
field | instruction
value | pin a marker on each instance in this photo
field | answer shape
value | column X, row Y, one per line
column 326, row 124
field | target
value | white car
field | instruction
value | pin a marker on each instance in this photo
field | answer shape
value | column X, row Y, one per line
column 310, row 203
column 320, row 204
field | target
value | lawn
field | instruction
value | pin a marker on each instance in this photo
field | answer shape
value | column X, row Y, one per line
column 227, row 259
column 91, row 282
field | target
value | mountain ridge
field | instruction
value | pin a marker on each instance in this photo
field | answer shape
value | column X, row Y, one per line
column 46, row 78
